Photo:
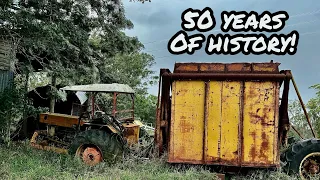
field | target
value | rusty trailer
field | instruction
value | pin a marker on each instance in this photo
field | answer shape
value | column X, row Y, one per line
column 223, row 114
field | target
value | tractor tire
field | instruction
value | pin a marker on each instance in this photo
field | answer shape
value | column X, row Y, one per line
column 102, row 145
column 303, row 158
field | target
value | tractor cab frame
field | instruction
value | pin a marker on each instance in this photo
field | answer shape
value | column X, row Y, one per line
column 59, row 126
column 114, row 89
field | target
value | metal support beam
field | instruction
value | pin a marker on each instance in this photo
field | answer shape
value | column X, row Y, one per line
column 303, row 106
column 224, row 76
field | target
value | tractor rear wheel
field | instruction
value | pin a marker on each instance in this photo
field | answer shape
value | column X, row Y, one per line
column 303, row 158
column 95, row 146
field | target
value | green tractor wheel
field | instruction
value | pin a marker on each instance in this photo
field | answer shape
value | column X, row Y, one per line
column 95, row 146
column 303, row 158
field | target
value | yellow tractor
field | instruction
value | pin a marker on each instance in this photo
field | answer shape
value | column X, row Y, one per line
column 94, row 135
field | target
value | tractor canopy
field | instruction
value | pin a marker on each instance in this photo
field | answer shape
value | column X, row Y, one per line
column 114, row 87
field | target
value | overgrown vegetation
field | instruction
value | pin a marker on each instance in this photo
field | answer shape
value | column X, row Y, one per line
column 14, row 107
column 21, row 162
column 298, row 119
column 11, row 111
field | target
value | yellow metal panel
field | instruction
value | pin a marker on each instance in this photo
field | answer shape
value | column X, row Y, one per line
column 230, row 121
column 259, row 122
column 276, row 147
column 131, row 133
column 214, row 120
column 60, row 119
column 187, row 125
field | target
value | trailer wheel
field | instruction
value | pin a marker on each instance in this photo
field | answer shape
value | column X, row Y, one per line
column 303, row 158
column 95, row 146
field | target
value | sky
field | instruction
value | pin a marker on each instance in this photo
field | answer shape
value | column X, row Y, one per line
column 157, row 21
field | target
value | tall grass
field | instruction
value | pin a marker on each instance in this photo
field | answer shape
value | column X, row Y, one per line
column 20, row 161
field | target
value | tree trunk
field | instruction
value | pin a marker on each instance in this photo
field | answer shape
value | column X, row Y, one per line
column 52, row 98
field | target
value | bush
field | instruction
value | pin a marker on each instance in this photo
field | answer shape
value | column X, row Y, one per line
column 11, row 111
column 14, row 109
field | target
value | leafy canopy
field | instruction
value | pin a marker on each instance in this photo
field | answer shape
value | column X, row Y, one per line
column 54, row 35
column 79, row 42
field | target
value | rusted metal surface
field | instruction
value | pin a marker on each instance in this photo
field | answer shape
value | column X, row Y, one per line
column 92, row 104
column 60, row 119
column 115, row 112
column 310, row 166
column 114, row 104
column 187, row 125
column 222, row 114
column 163, row 113
column 303, row 106
column 205, row 132
column 240, row 128
column 131, row 133
column 44, row 145
column 259, row 124
column 92, row 156
column 188, row 143
column 276, row 145
column 226, row 68
column 265, row 67
column 157, row 137
column 284, row 124
column 230, row 76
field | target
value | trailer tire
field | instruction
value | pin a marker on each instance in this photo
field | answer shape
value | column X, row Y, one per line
column 300, row 153
column 109, row 146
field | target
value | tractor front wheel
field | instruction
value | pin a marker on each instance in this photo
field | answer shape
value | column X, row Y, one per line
column 95, row 146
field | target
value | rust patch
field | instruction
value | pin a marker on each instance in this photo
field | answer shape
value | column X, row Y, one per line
column 255, row 118
column 210, row 159
column 264, row 147
column 251, row 94
column 239, row 67
column 212, row 67
column 235, row 153
column 253, row 147
column 265, row 67
column 185, row 126
column 263, row 120
column 182, row 92
column 129, row 131
column 186, row 67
